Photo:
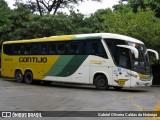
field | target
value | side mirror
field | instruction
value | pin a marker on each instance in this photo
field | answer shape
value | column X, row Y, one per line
column 155, row 52
column 135, row 51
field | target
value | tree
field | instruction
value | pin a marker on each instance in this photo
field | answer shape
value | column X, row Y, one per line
column 48, row 6
column 54, row 5
column 5, row 22
column 20, row 18
column 144, row 4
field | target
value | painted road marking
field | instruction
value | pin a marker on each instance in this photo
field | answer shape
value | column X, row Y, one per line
column 140, row 108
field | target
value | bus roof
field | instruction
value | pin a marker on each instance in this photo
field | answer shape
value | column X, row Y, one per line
column 78, row 37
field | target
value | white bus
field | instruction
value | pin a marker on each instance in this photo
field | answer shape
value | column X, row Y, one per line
column 102, row 59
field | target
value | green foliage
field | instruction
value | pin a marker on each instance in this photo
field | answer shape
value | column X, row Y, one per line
column 48, row 25
column 144, row 4
column 5, row 22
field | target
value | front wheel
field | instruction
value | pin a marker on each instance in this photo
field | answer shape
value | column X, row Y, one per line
column 101, row 82
column 28, row 77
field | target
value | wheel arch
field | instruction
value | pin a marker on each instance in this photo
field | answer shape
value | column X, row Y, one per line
column 28, row 70
column 101, row 73
column 18, row 69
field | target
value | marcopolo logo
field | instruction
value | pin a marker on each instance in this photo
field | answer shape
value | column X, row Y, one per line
column 33, row 59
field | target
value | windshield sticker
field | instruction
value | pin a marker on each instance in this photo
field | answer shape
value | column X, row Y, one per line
column 119, row 69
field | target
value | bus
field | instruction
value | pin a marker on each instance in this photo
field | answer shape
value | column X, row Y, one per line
column 101, row 59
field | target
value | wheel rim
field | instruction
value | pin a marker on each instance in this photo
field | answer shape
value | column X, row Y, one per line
column 19, row 77
column 102, row 82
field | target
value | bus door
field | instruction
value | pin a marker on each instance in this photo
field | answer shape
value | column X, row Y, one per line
column 120, row 76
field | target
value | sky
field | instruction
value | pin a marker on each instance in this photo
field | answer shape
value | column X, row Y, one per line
column 87, row 7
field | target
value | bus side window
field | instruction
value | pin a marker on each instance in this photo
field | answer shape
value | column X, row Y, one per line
column 101, row 50
column 8, row 49
column 61, row 48
column 28, row 49
column 36, row 49
column 82, row 46
column 73, row 48
column 17, row 49
column 95, row 47
column 52, row 49
column 44, row 50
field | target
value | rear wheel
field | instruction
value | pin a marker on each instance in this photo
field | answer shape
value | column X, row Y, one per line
column 101, row 82
column 28, row 77
column 19, row 76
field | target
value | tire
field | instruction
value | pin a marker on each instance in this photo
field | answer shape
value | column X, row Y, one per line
column 101, row 82
column 117, row 88
column 19, row 76
column 28, row 77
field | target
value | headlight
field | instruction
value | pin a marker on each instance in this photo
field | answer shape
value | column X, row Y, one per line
column 133, row 74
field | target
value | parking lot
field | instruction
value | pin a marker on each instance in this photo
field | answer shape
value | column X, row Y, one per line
column 68, row 97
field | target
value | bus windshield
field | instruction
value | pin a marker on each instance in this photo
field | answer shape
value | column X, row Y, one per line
column 141, row 64
column 125, row 58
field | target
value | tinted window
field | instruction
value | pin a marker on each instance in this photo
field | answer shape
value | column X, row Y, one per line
column 82, row 47
column 61, row 48
column 28, row 49
column 8, row 49
column 36, row 49
column 44, row 49
column 79, row 47
column 120, row 55
column 95, row 47
column 73, row 48
column 17, row 49
column 52, row 49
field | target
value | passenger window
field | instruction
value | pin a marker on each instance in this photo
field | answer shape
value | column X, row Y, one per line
column 28, row 49
column 73, row 48
column 44, row 50
column 17, row 49
column 8, row 49
column 101, row 50
column 82, row 45
column 61, row 48
column 95, row 47
column 52, row 49
column 36, row 49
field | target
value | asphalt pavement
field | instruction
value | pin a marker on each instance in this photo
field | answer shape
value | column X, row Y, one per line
column 68, row 97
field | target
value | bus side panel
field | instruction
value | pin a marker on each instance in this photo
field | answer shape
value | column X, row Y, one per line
column 8, row 65
column 102, row 66
column 70, row 68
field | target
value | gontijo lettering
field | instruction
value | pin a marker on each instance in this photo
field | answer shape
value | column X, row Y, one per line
column 33, row 59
